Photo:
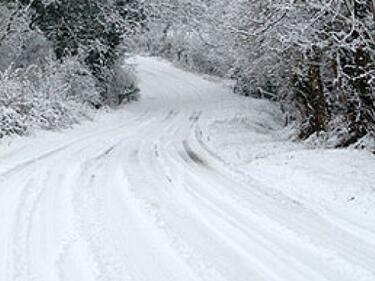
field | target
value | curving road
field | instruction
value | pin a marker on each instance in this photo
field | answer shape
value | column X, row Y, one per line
column 142, row 195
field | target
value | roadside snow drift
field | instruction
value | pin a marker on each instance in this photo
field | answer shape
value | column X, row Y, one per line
column 190, row 183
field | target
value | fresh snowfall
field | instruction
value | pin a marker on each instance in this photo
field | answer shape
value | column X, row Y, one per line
column 191, row 182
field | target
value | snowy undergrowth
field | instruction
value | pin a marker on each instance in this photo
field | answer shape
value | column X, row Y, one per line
column 54, row 97
column 340, row 181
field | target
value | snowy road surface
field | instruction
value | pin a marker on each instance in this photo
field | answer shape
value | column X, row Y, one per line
column 181, row 186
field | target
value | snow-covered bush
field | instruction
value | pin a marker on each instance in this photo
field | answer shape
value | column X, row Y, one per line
column 53, row 97
column 121, row 85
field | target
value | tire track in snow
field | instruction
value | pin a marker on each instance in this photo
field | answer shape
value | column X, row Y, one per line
column 193, row 260
column 90, row 216
column 66, row 246
column 29, row 200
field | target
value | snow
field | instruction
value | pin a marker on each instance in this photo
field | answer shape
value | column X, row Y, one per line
column 190, row 183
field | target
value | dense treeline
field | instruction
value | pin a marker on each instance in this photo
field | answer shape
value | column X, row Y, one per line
column 317, row 57
column 61, row 59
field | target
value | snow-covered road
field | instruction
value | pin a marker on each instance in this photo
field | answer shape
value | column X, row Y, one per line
column 149, row 193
